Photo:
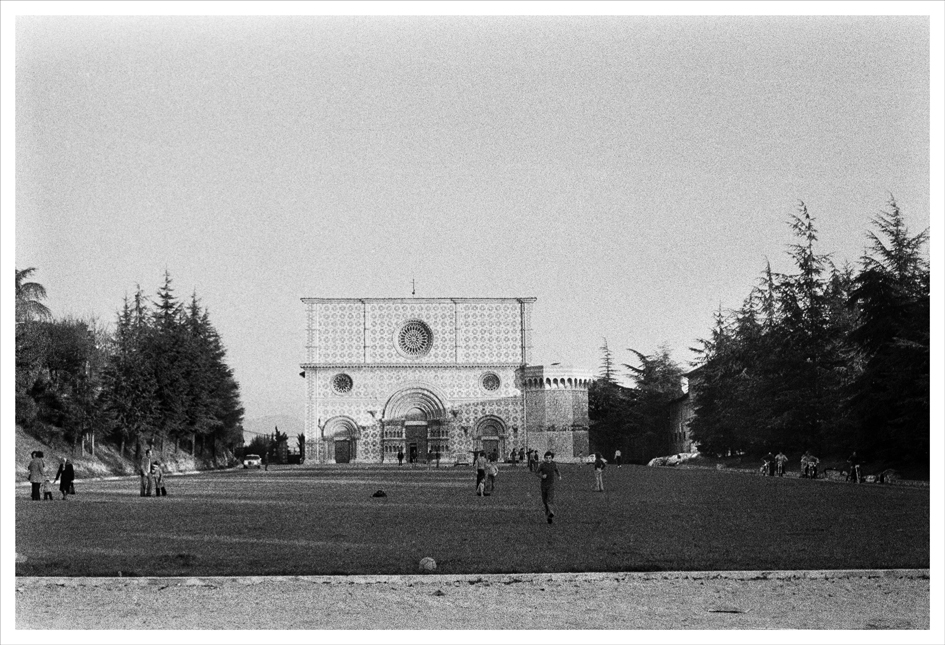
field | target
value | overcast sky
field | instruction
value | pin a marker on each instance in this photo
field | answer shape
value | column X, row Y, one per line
column 632, row 173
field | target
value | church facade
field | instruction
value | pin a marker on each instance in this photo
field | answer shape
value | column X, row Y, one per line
column 428, row 376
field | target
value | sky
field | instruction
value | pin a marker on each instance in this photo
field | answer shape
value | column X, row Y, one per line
column 633, row 173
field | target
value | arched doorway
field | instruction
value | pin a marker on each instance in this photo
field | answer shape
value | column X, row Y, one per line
column 419, row 411
column 491, row 434
column 341, row 436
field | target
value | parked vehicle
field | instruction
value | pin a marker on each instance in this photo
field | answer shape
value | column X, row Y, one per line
column 252, row 461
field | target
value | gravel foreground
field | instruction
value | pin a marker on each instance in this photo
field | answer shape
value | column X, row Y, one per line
column 836, row 600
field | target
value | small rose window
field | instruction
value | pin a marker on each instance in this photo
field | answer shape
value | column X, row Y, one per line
column 490, row 382
column 341, row 383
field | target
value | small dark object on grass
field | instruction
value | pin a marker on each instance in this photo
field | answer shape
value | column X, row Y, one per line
column 439, row 592
column 185, row 559
column 379, row 493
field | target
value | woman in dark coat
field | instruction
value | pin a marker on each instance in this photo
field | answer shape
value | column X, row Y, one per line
column 65, row 475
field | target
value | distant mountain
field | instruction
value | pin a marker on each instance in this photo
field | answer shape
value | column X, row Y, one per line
column 289, row 425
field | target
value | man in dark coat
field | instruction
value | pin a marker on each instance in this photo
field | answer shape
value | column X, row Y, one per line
column 65, row 475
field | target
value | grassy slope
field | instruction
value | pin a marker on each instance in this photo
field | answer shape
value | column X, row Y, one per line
column 105, row 463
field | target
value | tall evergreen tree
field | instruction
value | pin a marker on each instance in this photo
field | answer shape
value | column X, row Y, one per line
column 890, row 398
column 658, row 381
column 607, row 371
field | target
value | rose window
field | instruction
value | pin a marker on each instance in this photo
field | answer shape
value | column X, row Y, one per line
column 415, row 338
column 342, row 383
column 490, row 382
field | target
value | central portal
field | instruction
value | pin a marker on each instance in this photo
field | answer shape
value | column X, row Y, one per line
column 415, row 436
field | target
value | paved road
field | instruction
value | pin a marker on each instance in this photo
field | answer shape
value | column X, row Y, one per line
column 841, row 600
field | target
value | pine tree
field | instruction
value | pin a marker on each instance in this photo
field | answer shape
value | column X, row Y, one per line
column 890, row 399
column 658, row 381
column 607, row 364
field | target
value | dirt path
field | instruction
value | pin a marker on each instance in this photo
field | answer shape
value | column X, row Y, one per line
column 712, row 600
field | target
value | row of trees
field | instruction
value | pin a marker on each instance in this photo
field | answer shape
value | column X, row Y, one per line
column 276, row 447
column 161, row 375
column 827, row 358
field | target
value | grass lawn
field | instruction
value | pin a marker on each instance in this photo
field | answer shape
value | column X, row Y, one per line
column 324, row 521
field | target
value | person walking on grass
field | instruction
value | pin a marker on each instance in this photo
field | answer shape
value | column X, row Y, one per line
column 781, row 459
column 144, row 470
column 549, row 474
column 481, row 473
column 37, row 474
column 769, row 465
column 65, row 476
column 854, row 469
column 492, row 470
column 157, row 473
column 599, row 464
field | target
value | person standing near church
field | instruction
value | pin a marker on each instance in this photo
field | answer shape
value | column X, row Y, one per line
column 481, row 464
column 400, row 457
column 549, row 474
column 617, row 457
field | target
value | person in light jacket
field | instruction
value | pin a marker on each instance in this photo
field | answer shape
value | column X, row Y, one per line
column 37, row 473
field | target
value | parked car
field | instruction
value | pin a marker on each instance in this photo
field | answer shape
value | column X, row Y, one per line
column 250, row 461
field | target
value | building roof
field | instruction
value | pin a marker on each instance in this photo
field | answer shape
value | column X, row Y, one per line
column 418, row 300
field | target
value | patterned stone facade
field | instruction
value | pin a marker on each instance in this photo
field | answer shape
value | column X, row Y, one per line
column 422, row 376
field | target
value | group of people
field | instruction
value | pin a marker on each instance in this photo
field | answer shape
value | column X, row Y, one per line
column 41, row 487
column 152, row 476
column 486, row 472
column 433, row 456
column 774, row 464
column 546, row 470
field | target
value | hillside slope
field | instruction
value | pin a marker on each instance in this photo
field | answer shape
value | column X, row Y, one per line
column 107, row 462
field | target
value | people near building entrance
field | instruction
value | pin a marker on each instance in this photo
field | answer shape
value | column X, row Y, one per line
column 549, row 474
column 853, row 472
column 37, row 474
column 513, row 455
column 436, row 456
column 617, row 457
column 144, row 470
column 532, row 460
column 599, row 464
column 400, row 457
column 481, row 464
column 780, row 459
column 521, row 454
column 769, row 464
column 65, row 476
column 429, row 457
column 492, row 471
